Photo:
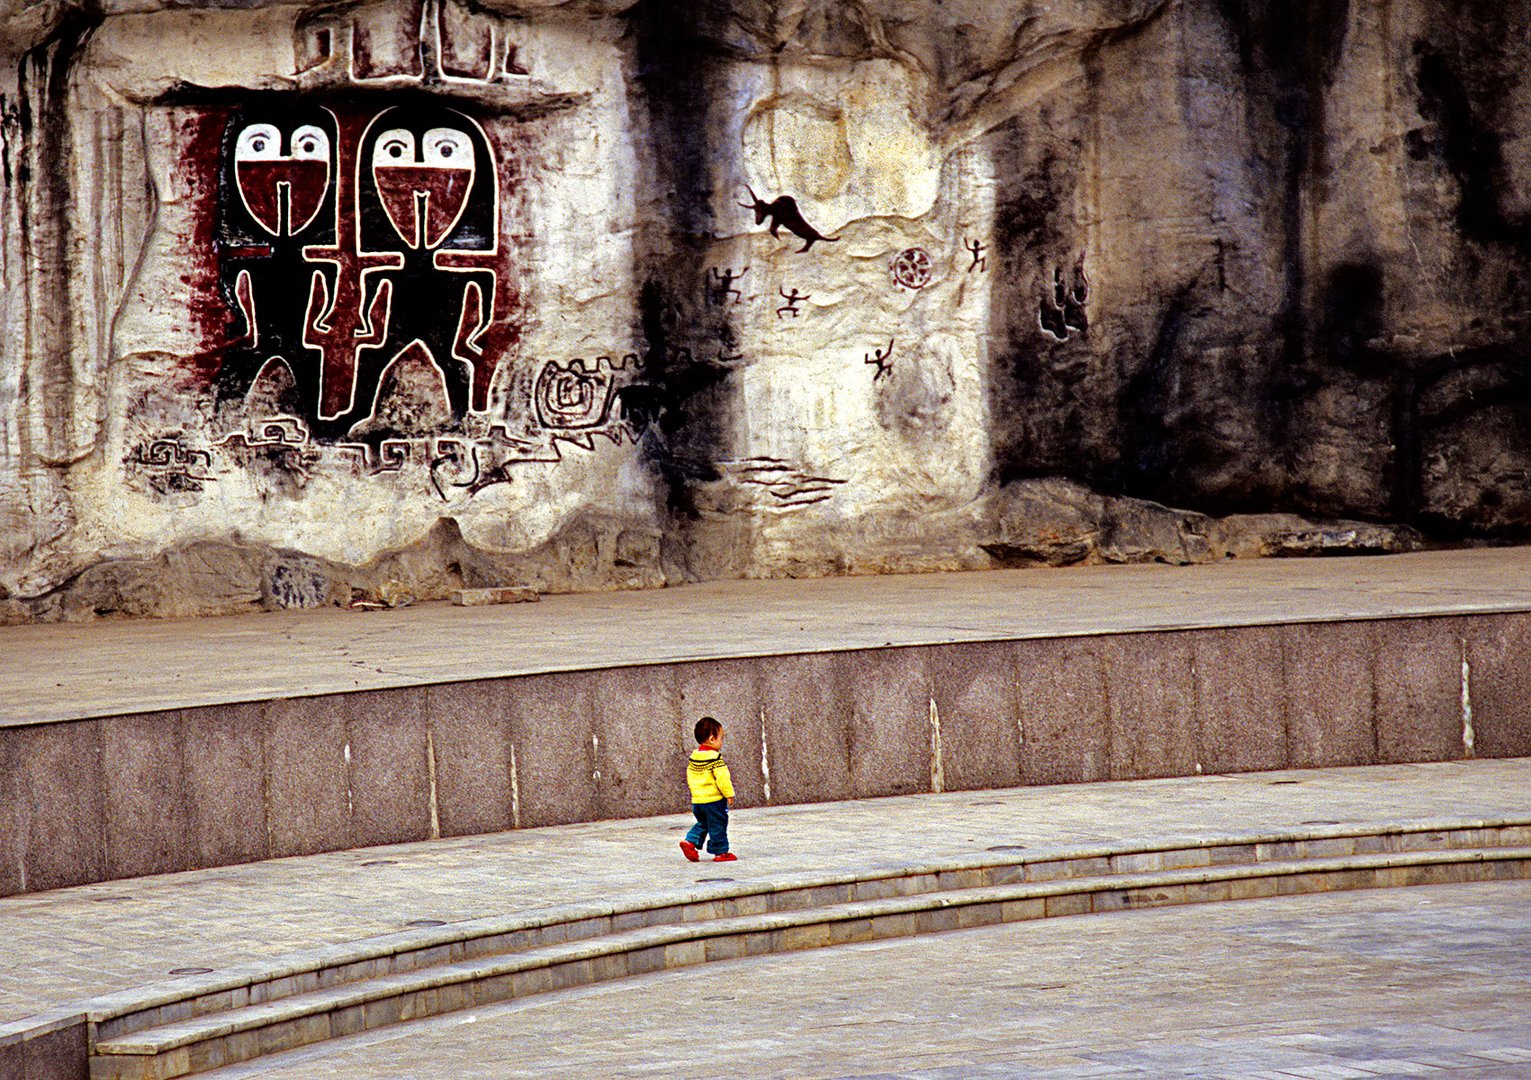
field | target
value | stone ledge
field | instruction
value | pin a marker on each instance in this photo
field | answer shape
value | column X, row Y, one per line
column 559, row 924
column 512, row 594
column 178, row 1048
column 311, row 1018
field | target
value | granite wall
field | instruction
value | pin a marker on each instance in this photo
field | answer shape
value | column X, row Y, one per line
column 303, row 303
column 117, row 797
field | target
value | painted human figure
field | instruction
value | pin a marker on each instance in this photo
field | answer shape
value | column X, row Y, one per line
column 428, row 194
column 882, row 359
column 792, row 302
column 721, row 286
column 276, row 196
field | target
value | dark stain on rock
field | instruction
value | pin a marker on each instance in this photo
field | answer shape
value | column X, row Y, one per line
column 1150, row 447
column 47, row 213
column 1288, row 54
column 1352, row 315
column 1470, row 149
column 1035, row 381
column 202, row 132
column 682, row 405
column 677, row 407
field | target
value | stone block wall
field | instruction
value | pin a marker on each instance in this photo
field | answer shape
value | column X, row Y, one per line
column 114, row 797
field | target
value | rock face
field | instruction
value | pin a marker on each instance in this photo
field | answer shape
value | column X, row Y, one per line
column 302, row 300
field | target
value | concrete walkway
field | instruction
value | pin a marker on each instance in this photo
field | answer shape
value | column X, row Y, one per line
column 62, row 947
column 63, row 672
column 1427, row 982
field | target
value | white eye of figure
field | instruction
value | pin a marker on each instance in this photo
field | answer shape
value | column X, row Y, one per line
column 448, row 148
column 310, row 144
column 395, row 147
column 258, row 142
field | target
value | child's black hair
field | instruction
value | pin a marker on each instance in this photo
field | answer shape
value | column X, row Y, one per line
column 706, row 728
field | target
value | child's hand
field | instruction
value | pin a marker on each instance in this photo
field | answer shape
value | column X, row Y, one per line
column 730, row 803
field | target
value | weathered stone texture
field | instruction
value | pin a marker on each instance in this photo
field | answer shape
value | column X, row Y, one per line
column 1065, row 730
column 304, row 305
column 470, row 741
column 1499, row 682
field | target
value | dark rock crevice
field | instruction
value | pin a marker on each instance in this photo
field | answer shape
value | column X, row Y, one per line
column 45, row 177
column 681, row 406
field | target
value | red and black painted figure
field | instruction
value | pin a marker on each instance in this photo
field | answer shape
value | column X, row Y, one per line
column 276, row 197
column 349, row 236
column 427, row 193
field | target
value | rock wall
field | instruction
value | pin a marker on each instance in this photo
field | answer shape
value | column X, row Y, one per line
column 297, row 301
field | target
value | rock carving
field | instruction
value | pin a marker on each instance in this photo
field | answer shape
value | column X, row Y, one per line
column 721, row 286
column 912, row 268
column 784, row 213
column 1061, row 312
column 792, row 302
column 883, row 359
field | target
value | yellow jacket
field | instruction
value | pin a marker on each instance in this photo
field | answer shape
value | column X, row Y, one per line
column 708, row 777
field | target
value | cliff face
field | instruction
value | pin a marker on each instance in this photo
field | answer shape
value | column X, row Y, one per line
column 299, row 303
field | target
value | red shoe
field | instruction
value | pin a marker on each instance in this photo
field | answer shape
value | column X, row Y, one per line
column 688, row 849
column 727, row 856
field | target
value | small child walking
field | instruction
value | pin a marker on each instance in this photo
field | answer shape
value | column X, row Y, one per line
column 712, row 793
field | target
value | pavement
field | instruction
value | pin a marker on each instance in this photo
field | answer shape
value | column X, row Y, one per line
column 1423, row 982
column 74, row 671
column 63, row 947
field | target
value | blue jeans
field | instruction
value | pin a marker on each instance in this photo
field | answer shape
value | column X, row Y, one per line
column 711, row 822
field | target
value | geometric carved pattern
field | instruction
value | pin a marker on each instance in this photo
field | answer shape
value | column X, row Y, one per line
column 352, row 238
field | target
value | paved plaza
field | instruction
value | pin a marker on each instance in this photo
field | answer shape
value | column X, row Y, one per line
column 1427, row 982
column 62, row 947
column 1421, row 981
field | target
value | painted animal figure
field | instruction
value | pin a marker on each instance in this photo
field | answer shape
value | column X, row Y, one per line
column 784, row 213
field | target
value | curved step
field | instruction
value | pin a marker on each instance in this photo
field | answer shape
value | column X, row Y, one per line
column 149, row 1006
column 198, row 1043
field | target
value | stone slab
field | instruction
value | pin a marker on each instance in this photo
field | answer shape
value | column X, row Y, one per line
column 12, row 879
column 808, row 719
column 556, row 749
column 643, row 742
column 729, row 692
column 1499, row 673
column 1151, row 705
column 1065, row 726
column 974, row 689
column 58, row 1055
column 59, row 811
column 389, row 768
column 890, row 738
column 1240, row 700
column 1329, row 684
column 1418, row 681
column 225, row 760
column 306, row 775
column 147, row 816
column 470, row 737
column 516, row 594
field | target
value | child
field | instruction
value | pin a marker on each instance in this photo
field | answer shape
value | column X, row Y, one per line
column 712, row 793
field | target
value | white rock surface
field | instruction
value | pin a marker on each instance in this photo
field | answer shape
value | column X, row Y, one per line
column 1219, row 255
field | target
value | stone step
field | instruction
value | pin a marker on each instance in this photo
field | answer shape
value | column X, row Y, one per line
column 144, row 1007
column 208, row 1041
